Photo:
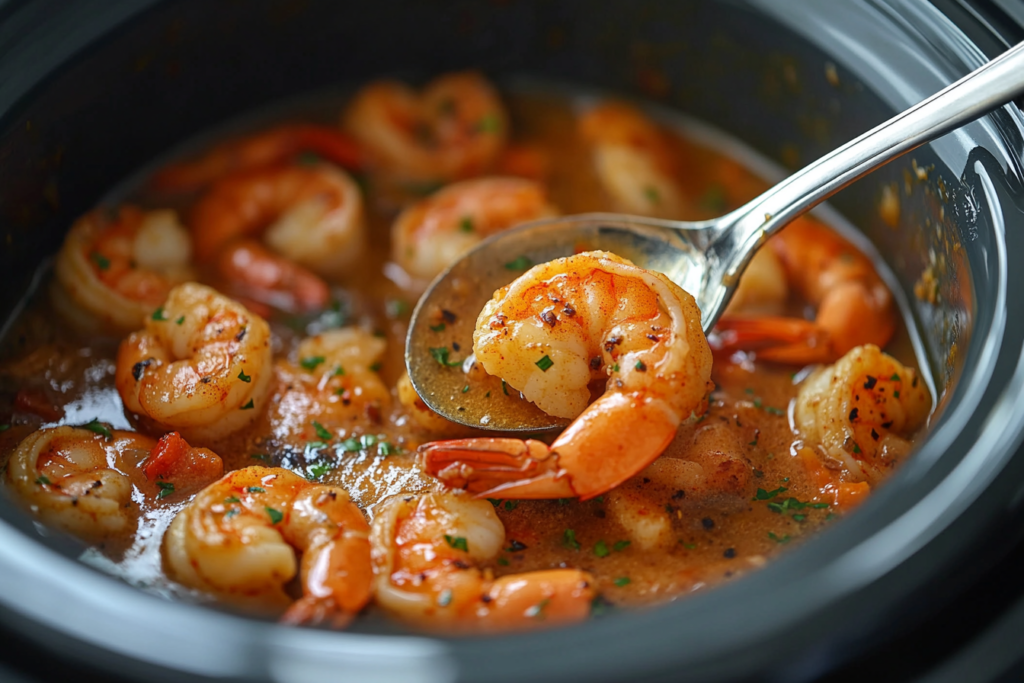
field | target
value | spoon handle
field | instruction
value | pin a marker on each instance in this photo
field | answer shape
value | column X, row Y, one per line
column 977, row 93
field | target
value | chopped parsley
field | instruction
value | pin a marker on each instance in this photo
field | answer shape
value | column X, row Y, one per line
column 771, row 410
column 158, row 315
column 622, row 581
column 255, row 489
column 465, row 388
column 232, row 499
column 615, row 368
column 231, row 513
column 545, row 363
column 504, row 387
column 511, row 505
column 265, row 457
column 652, row 194
column 768, row 495
column 502, row 561
column 489, row 123
column 375, row 367
column 338, row 372
column 43, row 480
column 457, row 542
column 520, row 263
column 311, row 362
column 619, row 546
column 569, row 540
column 396, row 308
column 319, row 469
column 101, row 261
column 166, row 489
column 244, row 377
column 275, row 515
column 100, row 428
column 440, row 354
column 351, row 445
column 895, row 377
column 466, row 224
column 179, row 320
column 601, row 549
column 779, row 539
column 537, row 611
column 367, row 440
column 387, row 449
column 641, row 366
column 438, row 328
column 322, row 431
column 248, row 406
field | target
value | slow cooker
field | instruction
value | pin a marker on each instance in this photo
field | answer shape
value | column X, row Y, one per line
column 92, row 90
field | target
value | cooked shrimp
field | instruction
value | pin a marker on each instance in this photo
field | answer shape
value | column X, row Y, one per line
column 861, row 412
column 427, row 552
column 266, row 148
column 455, row 128
column 238, row 540
column 253, row 272
column 82, row 480
column 430, row 235
column 854, row 306
column 312, row 215
column 634, row 161
column 115, row 268
column 200, row 366
column 552, row 332
column 333, row 383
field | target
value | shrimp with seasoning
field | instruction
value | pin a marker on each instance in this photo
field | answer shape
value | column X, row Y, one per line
column 854, row 306
column 82, row 480
column 455, row 128
column 116, row 267
column 427, row 554
column 634, row 161
column 201, row 365
column 266, row 148
column 549, row 334
column 238, row 539
column 333, row 384
column 311, row 215
column 429, row 236
column 861, row 411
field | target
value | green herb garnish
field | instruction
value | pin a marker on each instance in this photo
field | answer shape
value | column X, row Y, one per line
column 322, row 431
column 275, row 516
column 545, row 363
column 166, row 489
column 100, row 428
column 158, row 315
column 457, row 542
column 520, row 263
column 569, row 540
column 441, row 356
column 622, row 581
column 601, row 549
column 311, row 362
column 244, row 377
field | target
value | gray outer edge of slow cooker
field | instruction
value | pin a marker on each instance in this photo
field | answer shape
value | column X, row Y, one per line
column 63, row 595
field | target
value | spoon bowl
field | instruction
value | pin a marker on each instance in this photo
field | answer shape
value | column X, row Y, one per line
column 705, row 258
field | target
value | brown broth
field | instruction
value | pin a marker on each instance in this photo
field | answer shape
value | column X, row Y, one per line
column 704, row 540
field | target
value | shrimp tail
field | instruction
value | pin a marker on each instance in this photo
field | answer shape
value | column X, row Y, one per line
column 487, row 466
column 263, row 149
column 316, row 611
column 775, row 338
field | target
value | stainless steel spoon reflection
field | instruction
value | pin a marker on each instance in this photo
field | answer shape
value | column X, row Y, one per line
column 705, row 258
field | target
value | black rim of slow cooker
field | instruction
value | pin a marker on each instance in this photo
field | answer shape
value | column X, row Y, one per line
column 888, row 546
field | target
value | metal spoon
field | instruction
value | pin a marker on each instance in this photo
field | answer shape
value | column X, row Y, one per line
column 705, row 258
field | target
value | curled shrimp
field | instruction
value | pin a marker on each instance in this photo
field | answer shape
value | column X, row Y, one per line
column 251, row 271
column 312, row 215
column 427, row 552
column 238, row 539
column 82, row 480
column 429, row 236
column 201, row 365
column 455, row 128
column 862, row 411
column 854, row 306
column 634, row 161
column 265, row 148
column 333, row 383
column 549, row 334
column 115, row 268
